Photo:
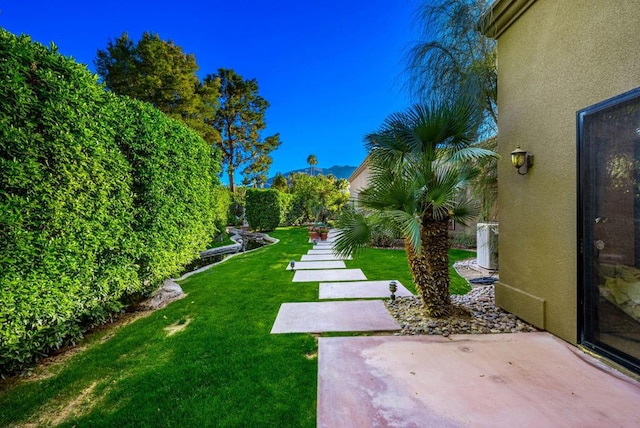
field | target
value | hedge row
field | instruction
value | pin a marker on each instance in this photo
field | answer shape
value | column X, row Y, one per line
column 267, row 209
column 101, row 198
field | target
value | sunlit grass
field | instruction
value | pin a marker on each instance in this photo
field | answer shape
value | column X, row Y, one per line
column 387, row 264
column 205, row 360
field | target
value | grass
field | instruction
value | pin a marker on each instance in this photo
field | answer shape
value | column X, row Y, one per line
column 383, row 264
column 205, row 360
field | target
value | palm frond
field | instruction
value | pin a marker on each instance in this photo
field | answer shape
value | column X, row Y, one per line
column 409, row 225
column 465, row 210
column 354, row 233
column 468, row 154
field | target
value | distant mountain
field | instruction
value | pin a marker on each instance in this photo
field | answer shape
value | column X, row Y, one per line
column 336, row 170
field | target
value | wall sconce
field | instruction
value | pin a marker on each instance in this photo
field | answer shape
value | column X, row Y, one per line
column 522, row 160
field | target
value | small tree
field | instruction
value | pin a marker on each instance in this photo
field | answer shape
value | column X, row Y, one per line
column 420, row 161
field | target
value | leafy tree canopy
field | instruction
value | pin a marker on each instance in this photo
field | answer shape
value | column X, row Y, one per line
column 240, row 121
column 280, row 183
column 319, row 197
column 159, row 72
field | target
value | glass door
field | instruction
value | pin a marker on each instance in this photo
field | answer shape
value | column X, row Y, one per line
column 609, row 228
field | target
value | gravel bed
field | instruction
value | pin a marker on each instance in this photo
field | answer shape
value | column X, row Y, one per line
column 479, row 315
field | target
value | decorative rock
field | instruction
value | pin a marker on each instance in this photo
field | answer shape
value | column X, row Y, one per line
column 169, row 292
column 485, row 317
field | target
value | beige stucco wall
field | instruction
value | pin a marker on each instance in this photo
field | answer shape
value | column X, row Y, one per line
column 359, row 179
column 558, row 57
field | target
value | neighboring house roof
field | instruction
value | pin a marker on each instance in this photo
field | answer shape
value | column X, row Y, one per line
column 501, row 15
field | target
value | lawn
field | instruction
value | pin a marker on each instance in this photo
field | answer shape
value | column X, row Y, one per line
column 222, row 369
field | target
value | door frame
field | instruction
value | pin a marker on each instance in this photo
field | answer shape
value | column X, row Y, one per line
column 585, row 251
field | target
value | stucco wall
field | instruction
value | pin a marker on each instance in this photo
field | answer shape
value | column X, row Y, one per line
column 359, row 179
column 558, row 57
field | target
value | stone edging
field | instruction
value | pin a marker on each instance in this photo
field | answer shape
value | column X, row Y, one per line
column 202, row 269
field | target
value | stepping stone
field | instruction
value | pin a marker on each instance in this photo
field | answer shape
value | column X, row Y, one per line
column 331, row 264
column 323, row 247
column 360, row 290
column 323, row 251
column 320, row 257
column 320, row 275
column 319, row 317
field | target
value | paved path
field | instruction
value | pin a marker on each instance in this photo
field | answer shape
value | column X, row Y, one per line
column 322, row 317
column 329, row 275
column 304, row 265
column 484, row 380
column 360, row 290
column 322, row 265
column 317, row 257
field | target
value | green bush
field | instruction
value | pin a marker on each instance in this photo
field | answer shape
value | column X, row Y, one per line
column 172, row 189
column 101, row 198
column 285, row 201
column 263, row 209
column 221, row 199
column 297, row 213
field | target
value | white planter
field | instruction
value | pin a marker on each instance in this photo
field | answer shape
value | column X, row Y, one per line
column 487, row 242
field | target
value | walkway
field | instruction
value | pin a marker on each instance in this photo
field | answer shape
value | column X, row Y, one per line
column 337, row 284
column 492, row 380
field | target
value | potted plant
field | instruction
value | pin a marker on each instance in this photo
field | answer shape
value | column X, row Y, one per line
column 313, row 233
column 324, row 232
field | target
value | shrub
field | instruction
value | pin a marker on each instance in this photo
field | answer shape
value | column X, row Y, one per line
column 221, row 199
column 262, row 209
column 297, row 214
column 285, row 201
column 172, row 185
column 266, row 208
column 65, row 203
column 101, row 198
column 463, row 240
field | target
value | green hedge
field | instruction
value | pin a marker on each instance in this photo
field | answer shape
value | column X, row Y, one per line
column 221, row 197
column 285, row 203
column 265, row 208
column 101, row 198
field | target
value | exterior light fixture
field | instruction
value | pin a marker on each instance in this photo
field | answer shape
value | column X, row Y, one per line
column 292, row 263
column 315, row 242
column 393, row 287
column 522, row 160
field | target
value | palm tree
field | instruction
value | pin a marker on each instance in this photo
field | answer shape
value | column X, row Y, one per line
column 420, row 161
column 312, row 160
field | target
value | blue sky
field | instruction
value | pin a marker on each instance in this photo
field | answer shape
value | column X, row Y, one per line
column 332, row 70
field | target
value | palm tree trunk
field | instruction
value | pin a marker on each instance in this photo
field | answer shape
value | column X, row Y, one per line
column 430, row 268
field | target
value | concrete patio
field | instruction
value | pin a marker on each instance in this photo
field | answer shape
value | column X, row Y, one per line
column 491, row 380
